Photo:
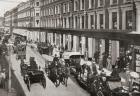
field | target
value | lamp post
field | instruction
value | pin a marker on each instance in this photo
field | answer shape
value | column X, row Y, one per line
column 9, row 67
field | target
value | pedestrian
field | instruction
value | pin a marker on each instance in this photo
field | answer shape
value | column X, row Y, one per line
column 94, row 68
column 0, row 80
column 96, row 56
column 3, row 79
column 109, row 65
column 104, row 60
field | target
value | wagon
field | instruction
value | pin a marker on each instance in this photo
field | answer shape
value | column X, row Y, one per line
column 34, row 76
column 111, row 86
column 21, row 51
column 31, row 74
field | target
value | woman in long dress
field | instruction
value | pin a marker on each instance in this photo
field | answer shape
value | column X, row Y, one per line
column 109, row 65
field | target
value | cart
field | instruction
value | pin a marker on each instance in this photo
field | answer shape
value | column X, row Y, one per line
column 21, row 51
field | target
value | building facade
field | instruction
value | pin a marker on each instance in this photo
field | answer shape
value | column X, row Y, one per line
column 80, row 14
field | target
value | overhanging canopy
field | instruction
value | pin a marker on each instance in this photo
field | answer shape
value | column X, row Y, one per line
column 125, row 35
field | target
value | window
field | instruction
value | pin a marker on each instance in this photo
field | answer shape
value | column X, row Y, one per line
column 69, row 22
column 82, row 22
column 113, row 2
column 114, row 20
column 129, row 19
column 59, row 9
column 100, row 3
column 56, row 9
column 82, row 4
column 37, row 22
column 65, row 22
column 101, row 16
column 37, row 3
column 92, row 21
column 76, row 5
column 68, row 7
column 64, row 8
column 76, row 21
column 37, row 14
column 127, row 1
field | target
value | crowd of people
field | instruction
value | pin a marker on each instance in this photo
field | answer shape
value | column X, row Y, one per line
column 122, row 62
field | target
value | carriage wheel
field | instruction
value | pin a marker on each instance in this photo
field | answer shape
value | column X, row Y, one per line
column 28, row 84
column 66, row 82
column 100, row 93
column 43, row 82
column 62, row 80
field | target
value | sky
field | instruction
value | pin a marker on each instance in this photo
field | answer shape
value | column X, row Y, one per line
column 6, row 5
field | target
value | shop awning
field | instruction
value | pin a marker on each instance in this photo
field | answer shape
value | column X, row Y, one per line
column 21, row 32
column 126, row 35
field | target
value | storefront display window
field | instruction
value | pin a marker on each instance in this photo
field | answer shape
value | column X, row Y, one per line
column 137, row 53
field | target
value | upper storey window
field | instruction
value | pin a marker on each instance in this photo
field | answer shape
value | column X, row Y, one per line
column 37, row 14
column 75, row 5
column 68, row 7
column 37, row 3
column 82, row 4
column 100, row 3
column 113, row 2
column 114, row 20
column 127, row 1
column 129, row 19
column 101, row 16
column 64, row 8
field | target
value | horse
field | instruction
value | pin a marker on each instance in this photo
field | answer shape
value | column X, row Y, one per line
column 54, row 76
column 23, row 67
column 64, row 73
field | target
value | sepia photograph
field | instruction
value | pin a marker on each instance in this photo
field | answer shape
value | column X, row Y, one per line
column 69, row 47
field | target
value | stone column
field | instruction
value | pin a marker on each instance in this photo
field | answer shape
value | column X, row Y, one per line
column 83, row 45
column 60, row 39
column 52, row 38
column 90, row 47
column 102, row 47
column 93, row 46
column 64, row 40
column 115, row 51
column 69, row 42
column 137, row 2
column 74, row 43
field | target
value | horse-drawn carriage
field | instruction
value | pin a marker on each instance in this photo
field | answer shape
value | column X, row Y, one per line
column 104, row 85
column 57, row 73
column 31, row 73
column 100, row 82
column 43, row 48
column 20, row 49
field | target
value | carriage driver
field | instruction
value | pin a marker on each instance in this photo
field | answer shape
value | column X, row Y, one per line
column 33, row 63
column 55, row 58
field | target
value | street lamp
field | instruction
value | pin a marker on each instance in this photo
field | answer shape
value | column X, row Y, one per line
column 10, row 65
